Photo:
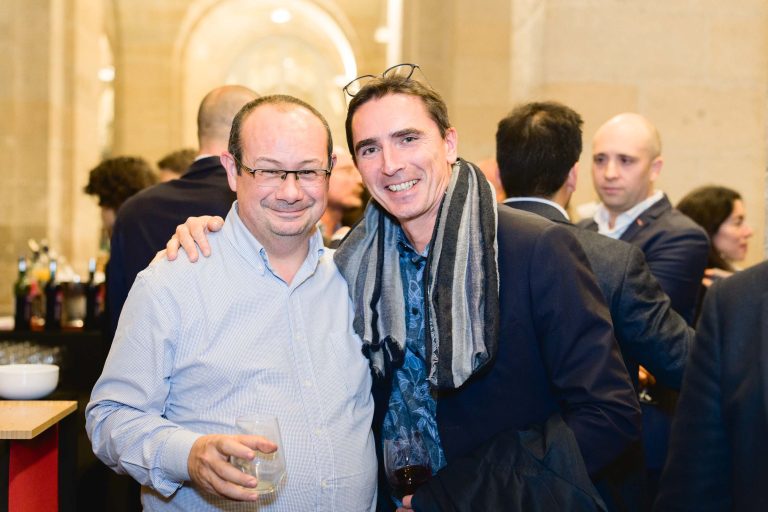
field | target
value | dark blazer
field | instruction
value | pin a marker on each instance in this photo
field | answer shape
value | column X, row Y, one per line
column 648, row 330
column 146, row 221
column 536, row 470
column 718, row 456
column 556, row 354
column 676, row 250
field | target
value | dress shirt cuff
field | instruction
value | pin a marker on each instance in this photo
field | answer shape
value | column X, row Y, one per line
column 174, row 457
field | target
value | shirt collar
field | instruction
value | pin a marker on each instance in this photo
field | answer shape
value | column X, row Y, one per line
column 539, row 200
column 248, row 245
column 404, row 246
column 624, row 219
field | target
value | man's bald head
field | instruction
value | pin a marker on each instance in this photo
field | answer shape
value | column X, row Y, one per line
column 215, row 115
column 626, row 161
column 636, row 127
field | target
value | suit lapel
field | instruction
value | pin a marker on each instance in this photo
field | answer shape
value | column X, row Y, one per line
column 647, row 217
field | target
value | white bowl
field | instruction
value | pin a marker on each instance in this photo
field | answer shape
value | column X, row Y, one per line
column 27, row 381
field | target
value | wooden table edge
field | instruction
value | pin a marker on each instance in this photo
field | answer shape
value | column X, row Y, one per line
column 67, row 407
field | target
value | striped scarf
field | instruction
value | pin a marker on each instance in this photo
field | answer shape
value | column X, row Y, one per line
column 461, row 283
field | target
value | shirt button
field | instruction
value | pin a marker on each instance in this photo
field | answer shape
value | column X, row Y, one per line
column 324, row 484
column 307, row 383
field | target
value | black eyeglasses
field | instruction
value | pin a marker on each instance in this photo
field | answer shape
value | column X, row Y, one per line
column 404, row 71
column 274, row 177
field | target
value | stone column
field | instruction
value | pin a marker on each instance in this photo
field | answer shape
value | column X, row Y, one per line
column 47, row 134
column 465, row 53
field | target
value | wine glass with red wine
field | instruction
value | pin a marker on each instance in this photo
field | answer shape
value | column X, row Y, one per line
column 406, row 462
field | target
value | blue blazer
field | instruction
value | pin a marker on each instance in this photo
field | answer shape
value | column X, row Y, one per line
column 556, row 354
column 648, row 330
column 676, row 250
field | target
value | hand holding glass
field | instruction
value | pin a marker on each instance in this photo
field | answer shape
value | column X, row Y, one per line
column 268, row 468
column 406, row 462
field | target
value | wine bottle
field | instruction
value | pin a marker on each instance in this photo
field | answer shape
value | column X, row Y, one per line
column 53, row 298
column 21, row 292
column 92, row 298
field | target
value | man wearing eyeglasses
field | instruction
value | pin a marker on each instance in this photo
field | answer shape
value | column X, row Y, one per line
column 469, row 326
column 263, row 326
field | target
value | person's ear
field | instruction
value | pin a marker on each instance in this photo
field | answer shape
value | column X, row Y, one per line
column 228, row 161
column 656, row 166
column 333, row 162
column 573, row 178
column 451, row 141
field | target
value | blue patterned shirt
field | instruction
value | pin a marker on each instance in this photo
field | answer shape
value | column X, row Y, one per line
column 412, row 408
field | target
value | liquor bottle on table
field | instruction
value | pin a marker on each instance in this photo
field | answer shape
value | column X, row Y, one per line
column 53, row 299
column 39, row 274
column 21, row 290
column 93, row 298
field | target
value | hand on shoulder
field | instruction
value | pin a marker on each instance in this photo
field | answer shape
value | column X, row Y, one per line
column 191, row 235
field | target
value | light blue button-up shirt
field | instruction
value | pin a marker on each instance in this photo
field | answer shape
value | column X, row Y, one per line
column 200, row 344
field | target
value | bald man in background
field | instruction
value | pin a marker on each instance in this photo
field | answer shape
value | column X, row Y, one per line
column 143, row 223
column 626, row 162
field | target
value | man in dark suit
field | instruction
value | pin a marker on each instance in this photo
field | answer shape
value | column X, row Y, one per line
column 626, row 162
column 537, row 149
column 143, row 223
column 435, row 214
column 718, row 459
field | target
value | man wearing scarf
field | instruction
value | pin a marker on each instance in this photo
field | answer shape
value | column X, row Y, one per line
column 476, row 321
column 486, row 332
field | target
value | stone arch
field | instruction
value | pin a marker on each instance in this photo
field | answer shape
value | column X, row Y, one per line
column 235, row 41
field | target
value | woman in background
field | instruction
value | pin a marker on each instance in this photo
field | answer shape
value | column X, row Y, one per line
column 720, row 211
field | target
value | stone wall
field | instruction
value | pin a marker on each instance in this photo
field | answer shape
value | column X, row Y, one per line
column 697, row 69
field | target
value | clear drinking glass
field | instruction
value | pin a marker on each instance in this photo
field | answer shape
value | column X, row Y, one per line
column 406, row 462
column 268, row 468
